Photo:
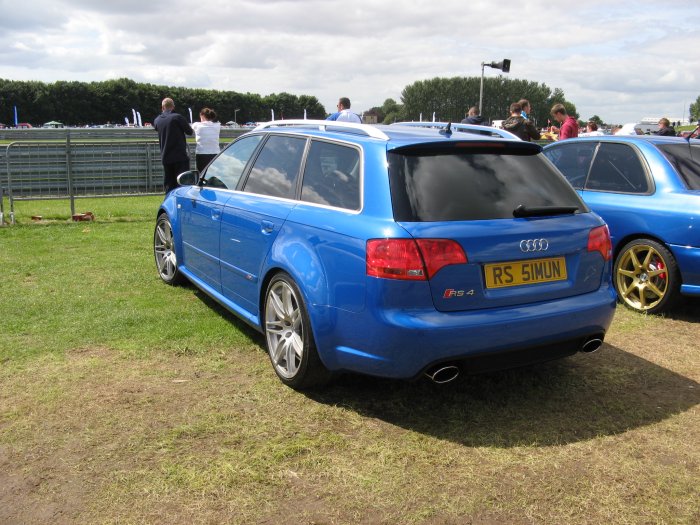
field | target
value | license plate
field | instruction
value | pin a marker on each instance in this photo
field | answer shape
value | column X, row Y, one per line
column 534, row 271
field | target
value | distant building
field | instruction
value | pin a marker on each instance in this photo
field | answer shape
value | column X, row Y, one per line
column 369, row 118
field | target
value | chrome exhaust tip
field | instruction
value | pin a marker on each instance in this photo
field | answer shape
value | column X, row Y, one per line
column 592, row 344
column 442, row 374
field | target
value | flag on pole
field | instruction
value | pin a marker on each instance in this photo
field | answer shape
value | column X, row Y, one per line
column 16, row 119
column 190, row 115
column 304, row 114
column 138, row 114
column 273, row 114
column 126, row 121
column 133, row 112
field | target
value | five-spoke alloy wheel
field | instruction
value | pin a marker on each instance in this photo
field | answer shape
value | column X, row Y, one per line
column 646, row 276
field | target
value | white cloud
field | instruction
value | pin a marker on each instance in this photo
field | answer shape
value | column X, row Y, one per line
column 620, row 60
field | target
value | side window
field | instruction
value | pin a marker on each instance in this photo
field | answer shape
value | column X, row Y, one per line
column 276, row 169
column 617, row 168
column 332, row 176
column 225, row 171
column 573, row 160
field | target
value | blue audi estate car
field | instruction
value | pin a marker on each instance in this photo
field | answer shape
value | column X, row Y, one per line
column 647, row 189
column 392, row 251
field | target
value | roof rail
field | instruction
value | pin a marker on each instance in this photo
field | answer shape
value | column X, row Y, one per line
column 458, row 126
column 322, row 125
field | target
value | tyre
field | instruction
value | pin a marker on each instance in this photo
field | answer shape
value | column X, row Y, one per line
column 164, row 251
column 290, row 342
column 646, row 276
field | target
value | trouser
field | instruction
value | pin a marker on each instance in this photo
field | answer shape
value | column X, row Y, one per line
column 202, row 159
column 171, row 171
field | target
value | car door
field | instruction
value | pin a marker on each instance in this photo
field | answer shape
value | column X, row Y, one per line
column 618, row 189
column 253, row 217
column 201, row 206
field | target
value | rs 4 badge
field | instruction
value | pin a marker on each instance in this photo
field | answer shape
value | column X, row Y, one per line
column 451, row 293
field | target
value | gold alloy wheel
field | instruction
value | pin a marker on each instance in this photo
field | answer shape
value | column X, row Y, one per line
column 642, row 277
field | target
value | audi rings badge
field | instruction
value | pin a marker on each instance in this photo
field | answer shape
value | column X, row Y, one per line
column 534, row 245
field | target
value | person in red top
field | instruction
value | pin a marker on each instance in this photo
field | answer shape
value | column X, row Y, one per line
column 568, row 125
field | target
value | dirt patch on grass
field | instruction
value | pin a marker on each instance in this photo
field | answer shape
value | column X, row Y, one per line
column 183, row 437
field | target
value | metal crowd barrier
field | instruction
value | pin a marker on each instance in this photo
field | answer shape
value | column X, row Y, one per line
column 43, row 171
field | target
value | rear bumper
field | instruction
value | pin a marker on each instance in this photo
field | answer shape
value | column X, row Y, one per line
column 403, row 343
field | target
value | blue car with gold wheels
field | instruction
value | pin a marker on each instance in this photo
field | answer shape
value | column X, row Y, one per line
column 647, row 189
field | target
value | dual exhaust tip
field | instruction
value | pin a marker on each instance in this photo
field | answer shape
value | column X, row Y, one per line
column 448, row 372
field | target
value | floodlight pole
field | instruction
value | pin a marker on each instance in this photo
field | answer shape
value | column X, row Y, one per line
column 481, row 87
column 235, row 112
column 504, row 66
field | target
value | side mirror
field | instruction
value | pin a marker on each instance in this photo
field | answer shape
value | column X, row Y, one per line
column 188, row 178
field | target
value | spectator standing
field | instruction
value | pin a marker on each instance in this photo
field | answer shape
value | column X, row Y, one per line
column 592, row 130
column 473, row 117
column 172, row 128
column 568, row 125
column 519, row 126
column 665, row 128
column 344, row 114
column 526, row 112
column 206, row 133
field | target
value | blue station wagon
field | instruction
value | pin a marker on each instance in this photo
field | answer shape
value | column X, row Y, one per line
column 393, row 251
column 647, row 189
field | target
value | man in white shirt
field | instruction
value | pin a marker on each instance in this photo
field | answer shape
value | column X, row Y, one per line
column 344, row 114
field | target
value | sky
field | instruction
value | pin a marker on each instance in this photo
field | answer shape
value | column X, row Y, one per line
column 621, row 60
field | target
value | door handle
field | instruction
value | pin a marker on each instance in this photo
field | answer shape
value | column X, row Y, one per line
column 267, row 226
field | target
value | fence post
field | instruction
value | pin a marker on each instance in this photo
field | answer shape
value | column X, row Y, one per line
column 69, row 174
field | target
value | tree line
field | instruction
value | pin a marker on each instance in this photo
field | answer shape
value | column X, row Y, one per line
column 450, row 99
column 85, row 103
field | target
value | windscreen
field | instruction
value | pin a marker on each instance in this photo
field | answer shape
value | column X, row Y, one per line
column 686, row 159
column 475, row 184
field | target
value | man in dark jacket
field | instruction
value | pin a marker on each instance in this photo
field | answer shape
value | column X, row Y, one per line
column 665, row 128
column 473, row 117
column 523, row 128
column 172, row 128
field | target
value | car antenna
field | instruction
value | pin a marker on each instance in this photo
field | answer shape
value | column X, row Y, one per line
column 692, row 133
column 447, row 130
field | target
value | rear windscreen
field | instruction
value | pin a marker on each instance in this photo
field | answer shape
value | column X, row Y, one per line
column 473, row 185
column 686, row 159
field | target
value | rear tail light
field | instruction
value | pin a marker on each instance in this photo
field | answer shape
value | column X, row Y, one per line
column 412, row 260
column 599, row 241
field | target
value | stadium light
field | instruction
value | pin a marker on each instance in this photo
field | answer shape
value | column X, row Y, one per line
column 503, row 65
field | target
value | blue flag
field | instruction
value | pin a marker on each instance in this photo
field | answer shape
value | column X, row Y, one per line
column 16, row 121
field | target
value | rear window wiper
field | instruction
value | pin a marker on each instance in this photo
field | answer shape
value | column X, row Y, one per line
column 539, row 211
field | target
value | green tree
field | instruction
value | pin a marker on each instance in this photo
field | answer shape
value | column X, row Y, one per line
column 597, row 120
column 450, row 98
column 695, row 110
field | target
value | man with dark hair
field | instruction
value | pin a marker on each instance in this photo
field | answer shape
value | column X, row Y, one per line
column 344, row 114
column 172, row 128
column 665, row 128
column 568, row 124
column 523, row 128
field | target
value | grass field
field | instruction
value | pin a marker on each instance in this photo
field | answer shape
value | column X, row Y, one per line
column 123, row 400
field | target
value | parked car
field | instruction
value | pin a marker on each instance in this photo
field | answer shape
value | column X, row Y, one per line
column 647, row 189
column 391, row 251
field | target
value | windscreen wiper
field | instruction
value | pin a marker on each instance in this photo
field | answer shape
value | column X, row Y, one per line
column 539, row 211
